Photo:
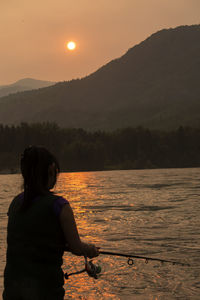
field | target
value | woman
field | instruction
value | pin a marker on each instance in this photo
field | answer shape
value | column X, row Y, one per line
column 40, row 225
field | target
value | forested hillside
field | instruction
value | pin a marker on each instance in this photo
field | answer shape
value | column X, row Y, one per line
column 155, row 85
column 80, row 150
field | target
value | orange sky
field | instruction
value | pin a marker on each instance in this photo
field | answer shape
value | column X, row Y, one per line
column 34, row 32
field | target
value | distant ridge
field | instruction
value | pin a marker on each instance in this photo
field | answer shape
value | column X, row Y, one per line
column 155, row 84
column 23, row 85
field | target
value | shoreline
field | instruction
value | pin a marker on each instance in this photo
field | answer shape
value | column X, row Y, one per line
column 16, row 172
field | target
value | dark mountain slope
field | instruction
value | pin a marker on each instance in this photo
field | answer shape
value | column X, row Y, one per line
column 155, row 84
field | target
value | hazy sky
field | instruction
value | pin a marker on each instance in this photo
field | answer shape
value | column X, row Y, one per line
column 34, row 32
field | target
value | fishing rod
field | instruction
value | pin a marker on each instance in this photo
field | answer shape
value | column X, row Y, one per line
column 131, row 262
column 94, row 270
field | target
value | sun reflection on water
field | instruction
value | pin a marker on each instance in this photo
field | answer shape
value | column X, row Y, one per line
column 79, row 189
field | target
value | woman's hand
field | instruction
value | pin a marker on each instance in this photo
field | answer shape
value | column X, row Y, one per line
column 90, row 250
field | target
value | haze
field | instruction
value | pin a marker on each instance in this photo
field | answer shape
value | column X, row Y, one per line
column 34, row 33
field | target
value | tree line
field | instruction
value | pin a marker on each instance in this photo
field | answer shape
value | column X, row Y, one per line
column 81, row 150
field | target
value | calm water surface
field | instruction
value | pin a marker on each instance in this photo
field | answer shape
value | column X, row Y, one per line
column 145, row 212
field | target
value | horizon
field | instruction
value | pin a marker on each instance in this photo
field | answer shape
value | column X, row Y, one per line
column 39, row 35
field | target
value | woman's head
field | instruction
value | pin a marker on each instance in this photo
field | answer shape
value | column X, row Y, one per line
column 39, row 170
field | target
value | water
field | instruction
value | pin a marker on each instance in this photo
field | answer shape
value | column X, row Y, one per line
column 145, row 212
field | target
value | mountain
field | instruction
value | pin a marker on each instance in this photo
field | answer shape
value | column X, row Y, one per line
column 23, row 85
column 155, row 84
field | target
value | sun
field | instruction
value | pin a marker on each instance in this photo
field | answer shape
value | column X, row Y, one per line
column 71, row 45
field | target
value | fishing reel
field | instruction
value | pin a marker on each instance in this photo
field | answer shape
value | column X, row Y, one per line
column 91, row 269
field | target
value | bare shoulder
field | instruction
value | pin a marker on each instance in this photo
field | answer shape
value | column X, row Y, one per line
column 67, row 216
column 66, row 211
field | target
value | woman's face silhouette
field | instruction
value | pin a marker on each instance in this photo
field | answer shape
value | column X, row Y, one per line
column 52, row 176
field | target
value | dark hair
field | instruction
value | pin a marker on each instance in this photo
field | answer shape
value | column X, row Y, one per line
column 35, row 162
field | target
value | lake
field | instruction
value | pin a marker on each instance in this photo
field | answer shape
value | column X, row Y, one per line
column 153, row 213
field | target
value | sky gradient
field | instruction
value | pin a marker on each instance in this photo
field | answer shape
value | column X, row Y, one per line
column 34, row 33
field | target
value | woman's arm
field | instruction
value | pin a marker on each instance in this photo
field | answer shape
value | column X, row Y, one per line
column 76, row 246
